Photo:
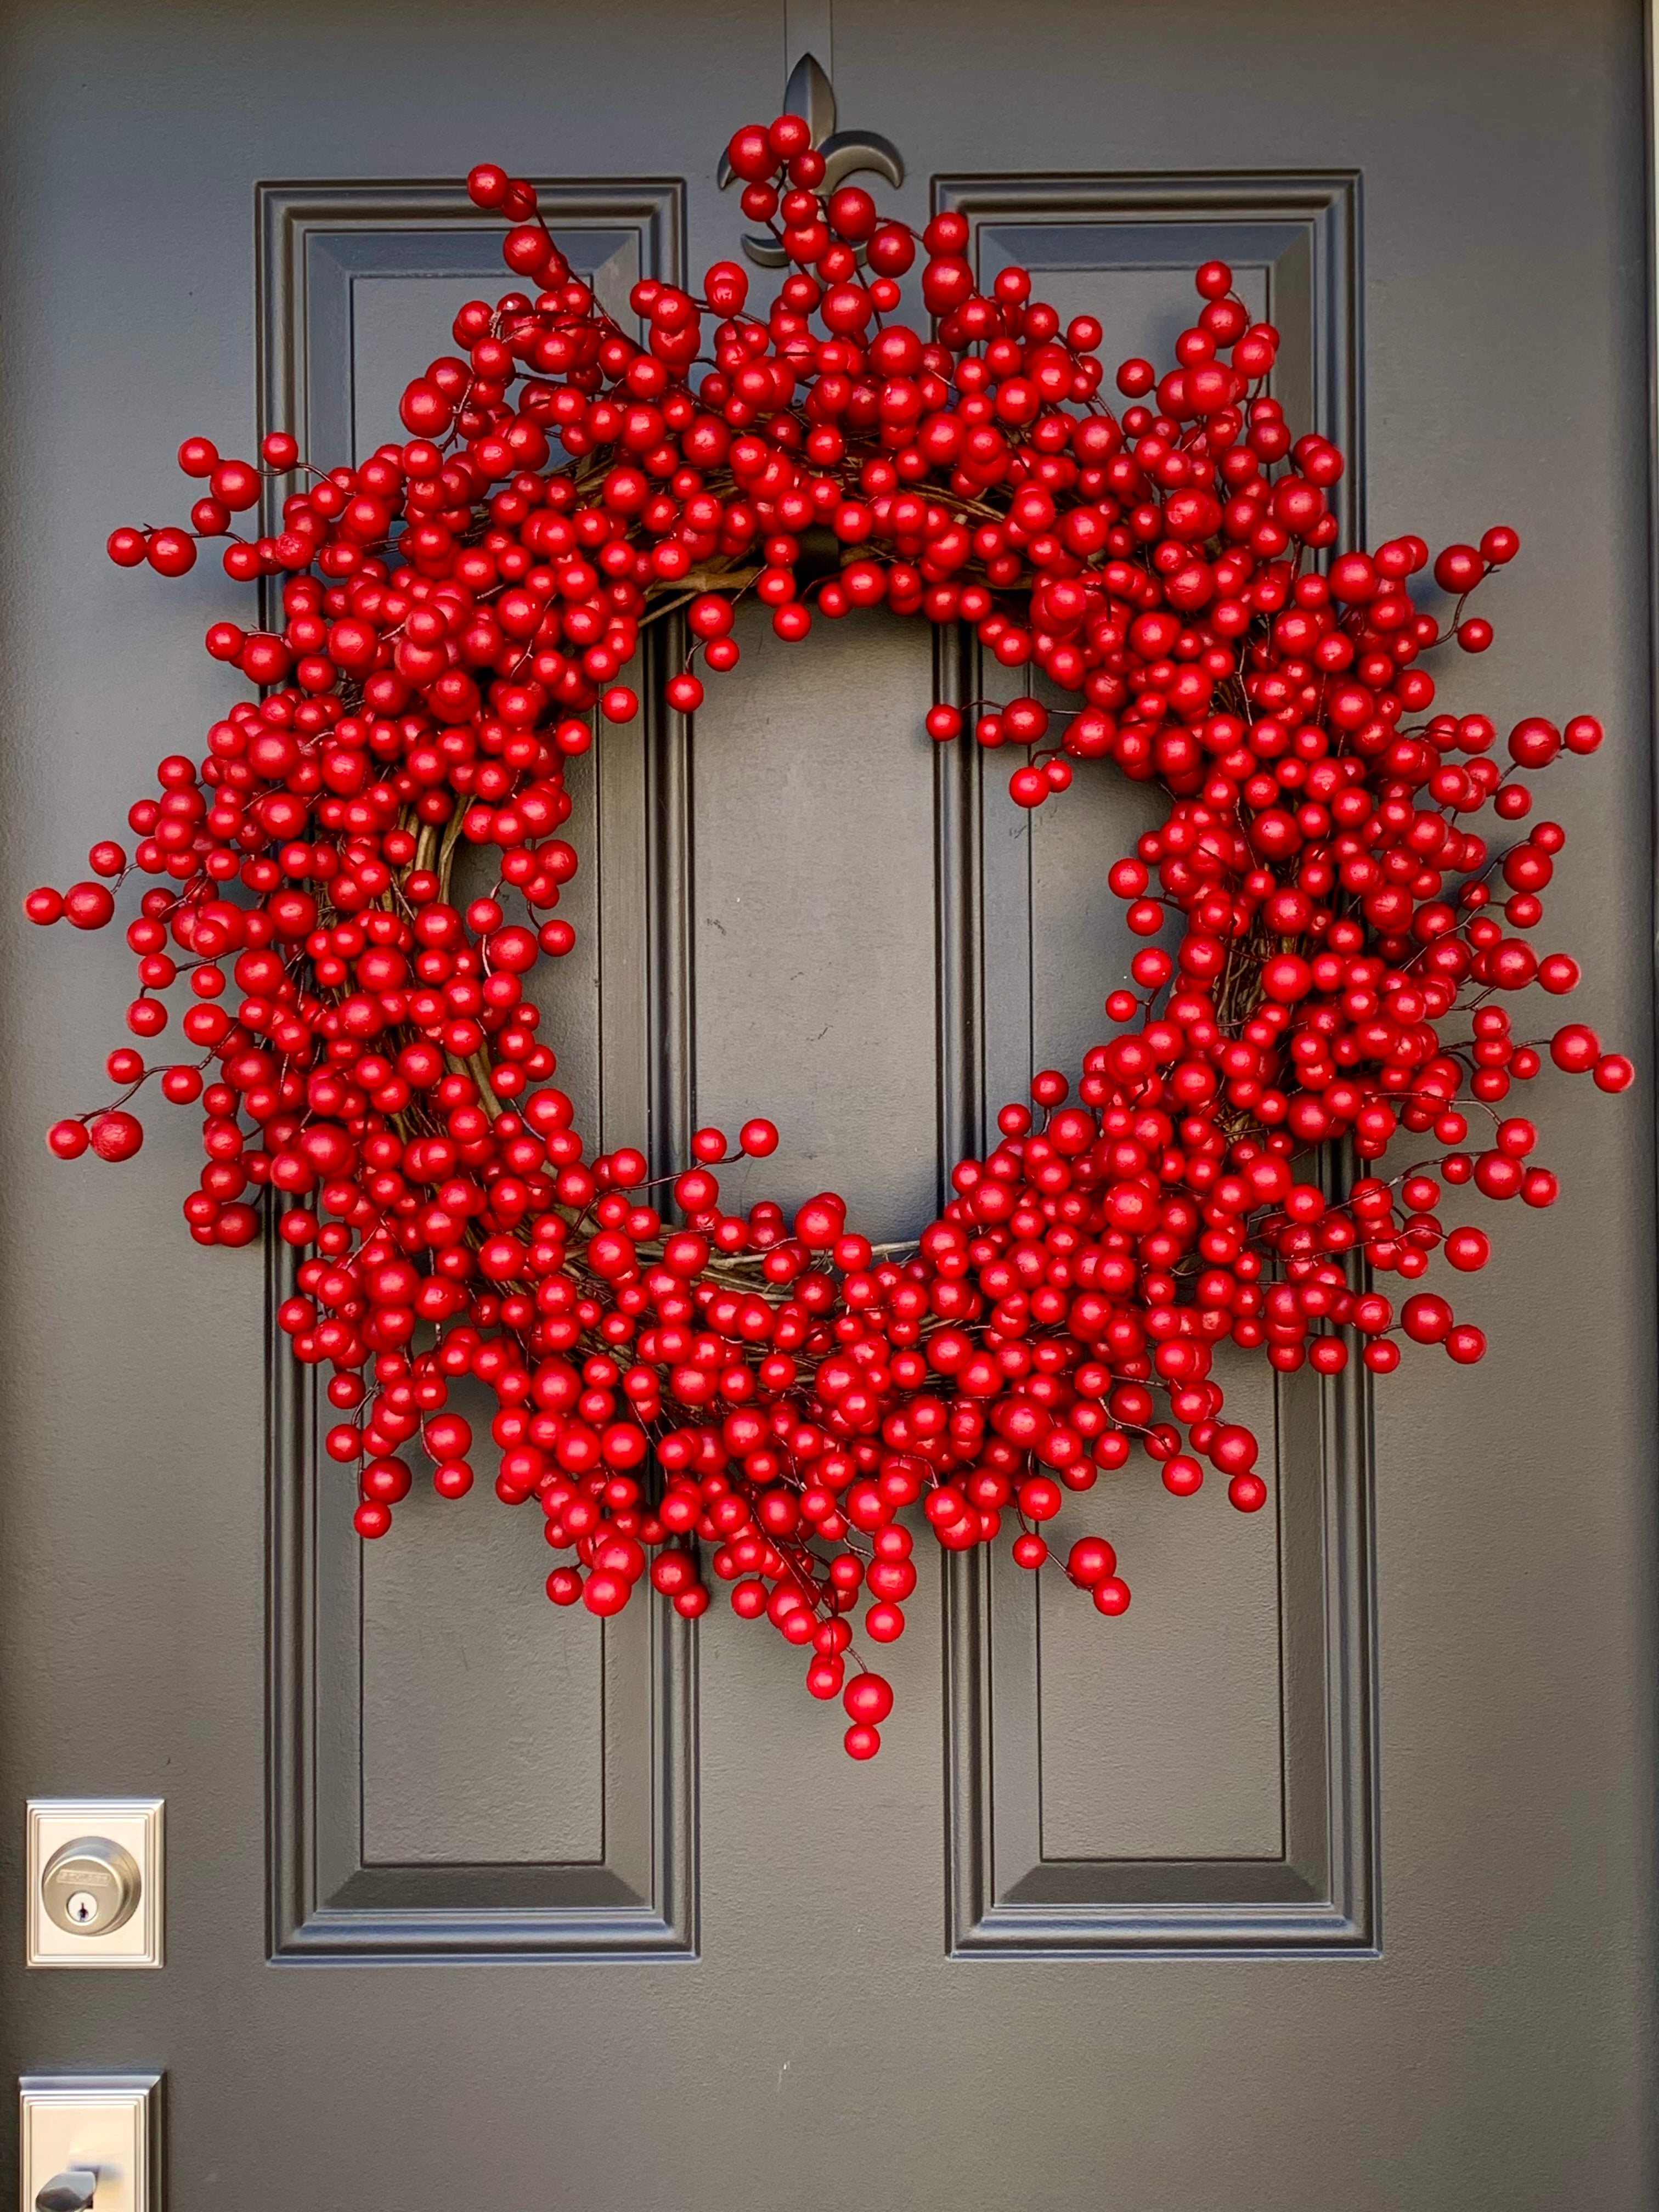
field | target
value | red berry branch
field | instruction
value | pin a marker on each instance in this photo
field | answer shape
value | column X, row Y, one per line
column 683, row 1389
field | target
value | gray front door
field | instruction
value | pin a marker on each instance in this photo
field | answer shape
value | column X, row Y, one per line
column 1321, row 1878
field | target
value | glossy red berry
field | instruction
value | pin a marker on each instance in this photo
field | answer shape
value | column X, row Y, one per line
column 1469, row 1249
column 88, row 906
column 171, row 552
column 868, row 1697
column 1089, row 1560
column 1182, row 1475
column 1576, row 1049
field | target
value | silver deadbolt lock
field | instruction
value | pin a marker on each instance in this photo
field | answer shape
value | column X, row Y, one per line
column 90, row 1886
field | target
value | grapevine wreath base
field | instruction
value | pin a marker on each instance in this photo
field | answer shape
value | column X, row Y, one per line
column 683, row 1389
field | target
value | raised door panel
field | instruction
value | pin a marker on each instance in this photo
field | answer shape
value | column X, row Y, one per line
column 458, row 1766
column 1197, row 1772
column 814, row 935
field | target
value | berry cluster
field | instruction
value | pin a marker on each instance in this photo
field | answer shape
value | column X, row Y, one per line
column 685, row 1390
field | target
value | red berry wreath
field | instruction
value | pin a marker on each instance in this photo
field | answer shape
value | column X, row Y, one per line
column 681, row 1388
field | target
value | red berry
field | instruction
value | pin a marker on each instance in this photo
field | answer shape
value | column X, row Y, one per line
column 1458, row 569
column 868, row 1697
column 236, row 484
column 1182, row 1475
column 1425, row 1318
column 1469, row 1249
column 116, row 1136
column 605, row 1593
column 1534, row 743
column 1089, row 1560
column 1575, row 1049
column 68, row 1139
column 171, row 552
column 88, row 906
column 1234, row 1449
column 1287, row 978
column 751, row 154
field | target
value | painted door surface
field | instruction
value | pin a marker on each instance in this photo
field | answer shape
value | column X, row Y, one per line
column 1324, row 1878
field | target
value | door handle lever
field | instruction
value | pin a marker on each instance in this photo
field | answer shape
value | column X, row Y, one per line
column 68, row 2192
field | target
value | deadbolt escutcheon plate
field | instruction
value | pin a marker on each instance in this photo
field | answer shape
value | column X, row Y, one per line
column 96, row 1882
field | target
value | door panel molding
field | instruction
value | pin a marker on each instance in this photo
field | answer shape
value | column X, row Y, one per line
column 1007, row 1895
column 1303, row 226
column 631, row 1887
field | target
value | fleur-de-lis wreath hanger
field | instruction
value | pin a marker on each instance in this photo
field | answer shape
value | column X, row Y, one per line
column 846, row 153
